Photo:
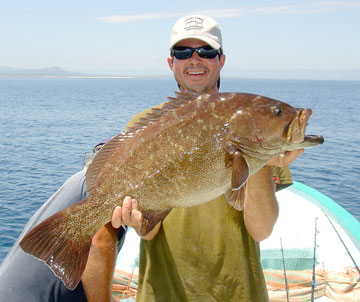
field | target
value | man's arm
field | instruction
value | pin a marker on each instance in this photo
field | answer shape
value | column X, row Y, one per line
column 261, row 208
column 98, row 275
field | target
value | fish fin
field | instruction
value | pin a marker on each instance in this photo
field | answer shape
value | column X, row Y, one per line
column 150, row 219
column 94, row 169
column 240, row 173
column 61, row 246
column 236, row 198
column 181, row 98
column 240, row 169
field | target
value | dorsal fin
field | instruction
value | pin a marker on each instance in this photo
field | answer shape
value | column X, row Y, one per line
column 100, row 158
column 188, row 95
column 113, row 145
column 157, row 112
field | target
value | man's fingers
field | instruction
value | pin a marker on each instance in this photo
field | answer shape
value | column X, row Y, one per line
column 136, row 219
column 134, row 204
column 126, row 210
column 116, row 220
column 291, row 156
column 285, row 159
column 135, row 214
column 127, row 214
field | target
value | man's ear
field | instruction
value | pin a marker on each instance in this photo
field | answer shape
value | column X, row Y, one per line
column 222, row 61
column 170, row 61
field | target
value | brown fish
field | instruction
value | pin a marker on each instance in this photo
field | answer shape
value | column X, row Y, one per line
column 190, row 151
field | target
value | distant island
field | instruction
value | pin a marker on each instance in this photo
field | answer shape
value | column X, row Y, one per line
column 57, row 72
column 54, row 71
column 228, row 72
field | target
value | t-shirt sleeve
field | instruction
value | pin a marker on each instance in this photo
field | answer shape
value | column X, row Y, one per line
column 140, row 115
column 284, row 177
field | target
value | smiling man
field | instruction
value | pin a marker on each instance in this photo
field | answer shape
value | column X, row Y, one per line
column 190, row 69
column 208, row 252
column 194, row 73
column 196, row 63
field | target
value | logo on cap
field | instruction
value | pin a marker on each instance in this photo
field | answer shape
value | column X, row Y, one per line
column 194, row 23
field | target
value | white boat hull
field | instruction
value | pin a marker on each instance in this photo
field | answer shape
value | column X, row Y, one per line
column 292, row 249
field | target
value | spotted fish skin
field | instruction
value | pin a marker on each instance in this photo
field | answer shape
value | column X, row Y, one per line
column 193, row 149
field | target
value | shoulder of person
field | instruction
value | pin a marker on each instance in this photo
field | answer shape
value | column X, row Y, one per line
column 140, row 115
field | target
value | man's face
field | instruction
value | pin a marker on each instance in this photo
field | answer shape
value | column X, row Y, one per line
column 196, row 73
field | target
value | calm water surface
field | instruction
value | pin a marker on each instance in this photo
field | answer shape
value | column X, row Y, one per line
column 47, row 125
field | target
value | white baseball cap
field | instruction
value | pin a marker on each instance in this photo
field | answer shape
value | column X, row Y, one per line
column 198, row 27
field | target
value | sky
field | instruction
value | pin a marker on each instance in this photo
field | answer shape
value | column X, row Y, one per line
column 131, row 37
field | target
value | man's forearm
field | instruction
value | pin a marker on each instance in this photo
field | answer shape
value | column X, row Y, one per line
column 260, row 208
column 98, row 275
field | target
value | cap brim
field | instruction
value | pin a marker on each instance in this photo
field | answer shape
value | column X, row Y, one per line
column 207, row 40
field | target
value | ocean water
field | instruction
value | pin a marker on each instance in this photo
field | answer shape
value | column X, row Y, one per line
column 47, row 126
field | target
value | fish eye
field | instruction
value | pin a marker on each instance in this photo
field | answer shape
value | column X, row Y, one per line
column 276, row 110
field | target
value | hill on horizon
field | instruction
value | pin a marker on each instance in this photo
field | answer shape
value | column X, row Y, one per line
column 275, row 74
column 43, row 72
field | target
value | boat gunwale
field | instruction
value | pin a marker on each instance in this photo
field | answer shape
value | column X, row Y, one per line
column 342, row 217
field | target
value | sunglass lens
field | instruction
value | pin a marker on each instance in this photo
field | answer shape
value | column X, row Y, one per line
column 183, row 52
column 207, row 52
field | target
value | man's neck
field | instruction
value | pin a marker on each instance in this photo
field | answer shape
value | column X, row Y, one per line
column 210, row 91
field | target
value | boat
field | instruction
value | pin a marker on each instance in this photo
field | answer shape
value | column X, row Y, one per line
column 312, row 254
column 313, row 251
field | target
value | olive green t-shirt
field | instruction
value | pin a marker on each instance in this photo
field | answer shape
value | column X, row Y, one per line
column 201, row 254
column 284, row 177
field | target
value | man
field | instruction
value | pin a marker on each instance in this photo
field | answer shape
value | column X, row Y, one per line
column 208, row 252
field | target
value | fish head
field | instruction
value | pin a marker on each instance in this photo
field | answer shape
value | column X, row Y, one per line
column 264, row 127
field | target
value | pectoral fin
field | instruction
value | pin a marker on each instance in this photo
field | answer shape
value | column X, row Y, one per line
column 150, row 219
column 236, row 198
column 240, row 170
column 240, row 173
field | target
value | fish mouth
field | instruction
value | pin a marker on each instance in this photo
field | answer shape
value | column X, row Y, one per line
column 295, row 133
column 296, row 130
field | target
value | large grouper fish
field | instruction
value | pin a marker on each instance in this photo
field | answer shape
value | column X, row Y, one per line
column 191, row 150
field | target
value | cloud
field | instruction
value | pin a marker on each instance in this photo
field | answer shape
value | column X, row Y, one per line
column 134, row 18
column 223, row 13
column 340, row 3
column 310, row 7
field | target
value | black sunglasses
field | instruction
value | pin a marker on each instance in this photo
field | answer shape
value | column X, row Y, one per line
column 183, row 52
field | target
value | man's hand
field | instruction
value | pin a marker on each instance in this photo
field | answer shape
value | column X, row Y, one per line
column 128, row 214
column 285, row 159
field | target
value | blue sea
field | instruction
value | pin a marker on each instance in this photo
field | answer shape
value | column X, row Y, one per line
column 48, row 125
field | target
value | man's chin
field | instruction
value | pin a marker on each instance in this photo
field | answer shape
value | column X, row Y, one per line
column 196, row 88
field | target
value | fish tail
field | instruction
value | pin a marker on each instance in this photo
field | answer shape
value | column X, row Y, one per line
column 61, row 245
